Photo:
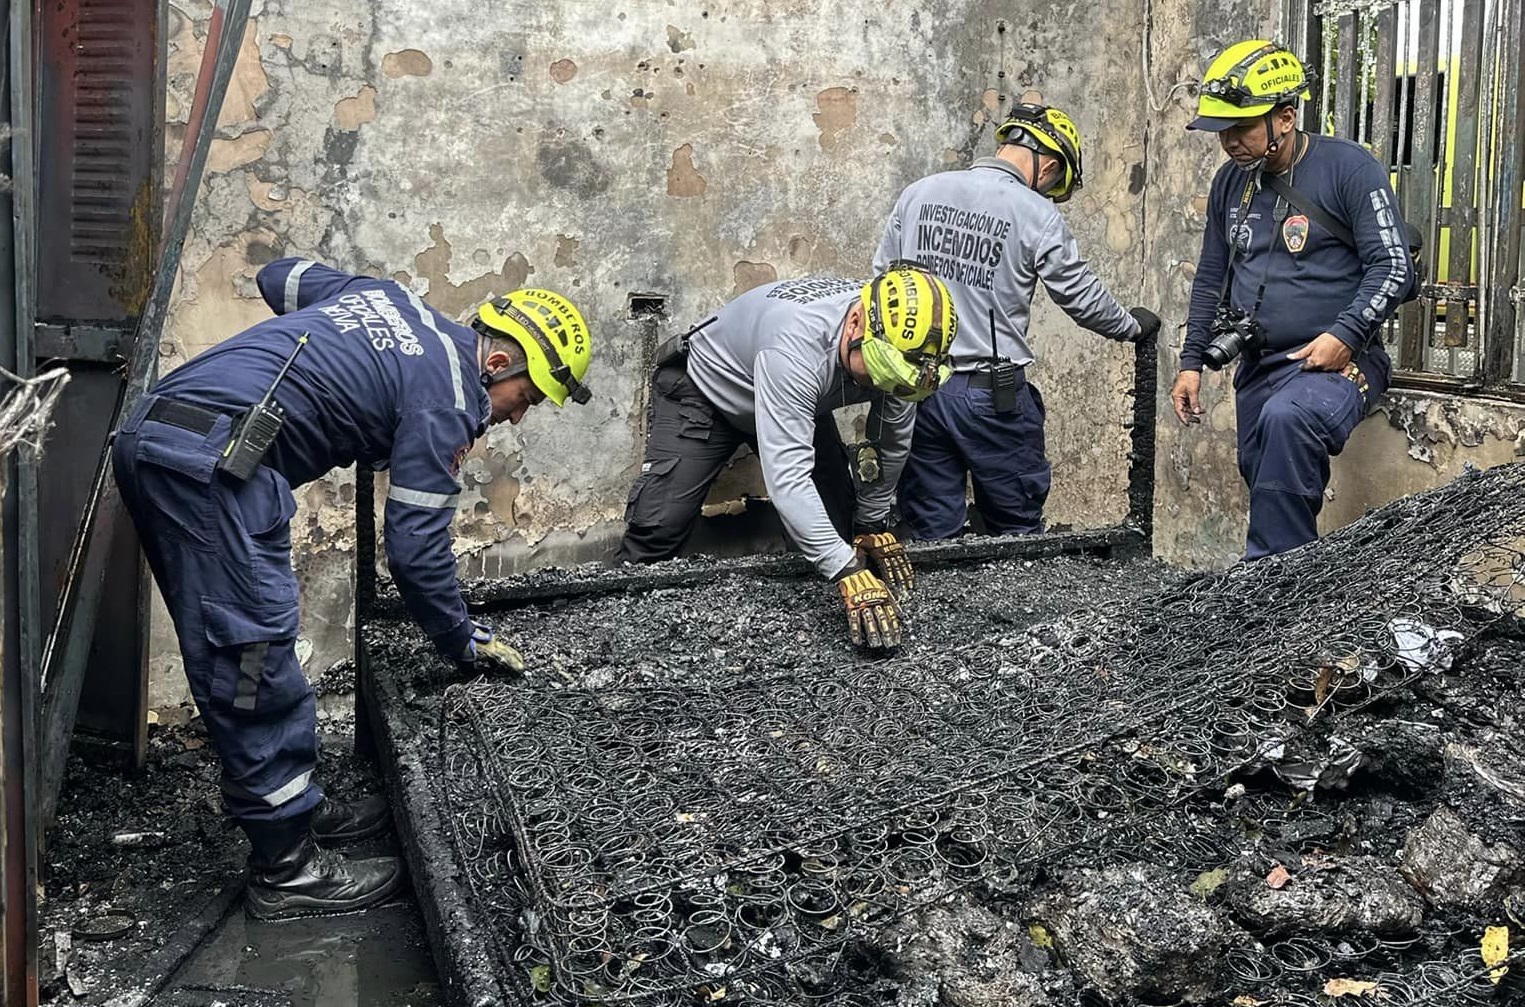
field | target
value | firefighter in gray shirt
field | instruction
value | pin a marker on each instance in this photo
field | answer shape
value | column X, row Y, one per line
column 768, row 370
column 992, row 232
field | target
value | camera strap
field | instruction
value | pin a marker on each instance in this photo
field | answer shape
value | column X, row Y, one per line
column 1233, row 248
column 1321, row 216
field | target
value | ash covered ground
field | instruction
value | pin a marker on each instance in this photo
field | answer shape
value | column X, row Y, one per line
column 136, row 856
column 1343, row 817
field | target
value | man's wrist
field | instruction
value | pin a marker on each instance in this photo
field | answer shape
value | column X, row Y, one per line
column 856, row 566
column 457, row 642
column 1342, row 332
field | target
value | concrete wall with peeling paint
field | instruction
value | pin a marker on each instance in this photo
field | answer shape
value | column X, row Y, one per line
column 684, row 151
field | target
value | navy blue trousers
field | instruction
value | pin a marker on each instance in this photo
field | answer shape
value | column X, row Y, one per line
column 959, row 435
column 1291, row 422
column 220, row 552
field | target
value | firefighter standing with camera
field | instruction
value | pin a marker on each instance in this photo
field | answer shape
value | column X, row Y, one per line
column 1304, row 258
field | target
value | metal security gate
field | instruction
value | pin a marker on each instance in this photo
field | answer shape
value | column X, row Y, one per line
column 1433, row 88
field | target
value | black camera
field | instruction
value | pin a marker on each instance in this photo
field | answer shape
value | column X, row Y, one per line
column 1233, row 332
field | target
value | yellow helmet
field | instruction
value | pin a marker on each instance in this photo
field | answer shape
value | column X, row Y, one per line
column 1247, row 80
column 1048, row 131
column 909, row 324
column 553, row 335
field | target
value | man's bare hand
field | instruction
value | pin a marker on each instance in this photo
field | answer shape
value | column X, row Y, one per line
column 1325, row 353
column 1186, row 397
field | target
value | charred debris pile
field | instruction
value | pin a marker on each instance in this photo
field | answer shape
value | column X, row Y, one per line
column 1081, row 782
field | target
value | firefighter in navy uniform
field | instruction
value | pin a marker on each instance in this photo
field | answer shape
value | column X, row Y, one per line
column 371, row 375
column 992, row 233
column 1279, row 287
column 768, row 370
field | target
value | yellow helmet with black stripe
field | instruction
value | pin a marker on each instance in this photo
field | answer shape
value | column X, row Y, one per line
column 1248, row 80
column 555, row 339
column 1047, row 130
column 909, row 324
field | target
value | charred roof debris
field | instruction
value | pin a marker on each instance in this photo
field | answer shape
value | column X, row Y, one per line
column 1081, row 782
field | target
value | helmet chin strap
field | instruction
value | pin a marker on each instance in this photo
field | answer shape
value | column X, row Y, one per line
column 1038, row 187
column 1272, row 141
column 495, row 377
column 1273, row 144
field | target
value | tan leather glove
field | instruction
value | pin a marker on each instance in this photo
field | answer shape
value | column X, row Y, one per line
column 487, row 653
column 885, row 554
column 873, row 618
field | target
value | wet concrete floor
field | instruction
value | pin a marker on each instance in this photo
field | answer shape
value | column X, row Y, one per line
column 378, row 958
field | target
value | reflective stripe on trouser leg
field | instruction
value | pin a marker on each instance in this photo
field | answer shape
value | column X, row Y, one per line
column 268, row 746
column 251, row 668
column 232, row 596
column 292, row 788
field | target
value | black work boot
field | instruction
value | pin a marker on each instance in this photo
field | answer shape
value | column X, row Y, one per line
column 335, row 823
column 291, row 876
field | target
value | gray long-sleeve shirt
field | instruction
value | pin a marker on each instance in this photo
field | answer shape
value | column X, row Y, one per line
column 991, row 238
column 771, row 363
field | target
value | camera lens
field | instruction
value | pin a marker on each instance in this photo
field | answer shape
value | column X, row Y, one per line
column 1220, row 351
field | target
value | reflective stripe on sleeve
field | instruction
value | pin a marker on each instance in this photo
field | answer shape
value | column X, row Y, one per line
column 418, row 498
column 294, row 284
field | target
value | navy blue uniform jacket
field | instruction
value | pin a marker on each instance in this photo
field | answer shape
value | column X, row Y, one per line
column 385, row 381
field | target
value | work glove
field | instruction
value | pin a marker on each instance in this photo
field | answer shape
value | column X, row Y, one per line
column 1148, row 323
column 885, row 554
column 873, row 618
column 487, row 653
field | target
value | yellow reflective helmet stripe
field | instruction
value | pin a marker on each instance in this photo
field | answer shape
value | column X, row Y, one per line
column 1052, row 131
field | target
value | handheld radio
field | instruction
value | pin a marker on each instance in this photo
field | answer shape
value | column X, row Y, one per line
column 256, row 429
column 1003, row 376
column 676, row 348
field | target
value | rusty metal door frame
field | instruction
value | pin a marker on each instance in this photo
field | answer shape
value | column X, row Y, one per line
column 99, row 90
column 84, row 90
column 104, row 526
column 1459, row 174
column 20, row 629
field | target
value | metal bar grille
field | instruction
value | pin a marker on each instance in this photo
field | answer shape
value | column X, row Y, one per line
column 1504, row 349
column 1461, row 158
column 1432, row 86
column 1347, row 68
column 1383, row 113
column 1417, row 178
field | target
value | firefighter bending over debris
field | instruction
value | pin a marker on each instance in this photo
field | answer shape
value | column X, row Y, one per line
column 354, row 369
column 768, row 370
column 992, row 232
column 1304, row 259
